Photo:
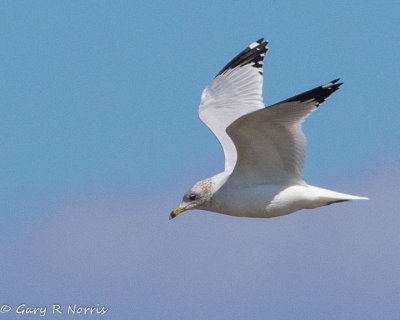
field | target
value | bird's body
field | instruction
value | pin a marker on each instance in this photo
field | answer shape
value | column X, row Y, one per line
column 243, row 199
column 264, row 147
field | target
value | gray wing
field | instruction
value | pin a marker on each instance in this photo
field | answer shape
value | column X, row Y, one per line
column 270, row 142
column 235, row 91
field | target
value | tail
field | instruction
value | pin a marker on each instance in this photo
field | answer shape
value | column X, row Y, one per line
column 326, row 197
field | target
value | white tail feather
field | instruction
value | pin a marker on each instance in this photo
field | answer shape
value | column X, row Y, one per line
column 326, row 197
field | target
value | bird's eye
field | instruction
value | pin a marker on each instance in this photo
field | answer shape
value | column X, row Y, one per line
column 192, row 197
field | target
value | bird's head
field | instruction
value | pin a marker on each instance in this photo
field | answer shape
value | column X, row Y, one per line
column 197, row 197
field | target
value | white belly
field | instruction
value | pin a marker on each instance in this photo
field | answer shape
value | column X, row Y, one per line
column 262, row 201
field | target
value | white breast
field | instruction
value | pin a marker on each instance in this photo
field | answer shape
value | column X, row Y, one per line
column 258, row 201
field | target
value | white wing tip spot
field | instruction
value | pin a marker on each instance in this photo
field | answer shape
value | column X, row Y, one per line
column 329, row 84
column 253, row 45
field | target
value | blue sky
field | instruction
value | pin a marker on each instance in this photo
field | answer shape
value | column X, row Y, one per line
column 100, row 138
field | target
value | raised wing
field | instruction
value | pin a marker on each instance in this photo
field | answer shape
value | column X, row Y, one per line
column 235, row 91
column 270, row 143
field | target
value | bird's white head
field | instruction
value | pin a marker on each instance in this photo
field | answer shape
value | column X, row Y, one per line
column 197, row 197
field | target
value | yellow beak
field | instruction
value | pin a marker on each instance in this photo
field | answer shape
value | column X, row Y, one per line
column 177, row 211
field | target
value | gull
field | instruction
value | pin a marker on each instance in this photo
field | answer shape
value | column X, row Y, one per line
column 264, row 147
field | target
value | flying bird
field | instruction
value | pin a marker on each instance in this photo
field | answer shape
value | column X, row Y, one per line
column 264, row 147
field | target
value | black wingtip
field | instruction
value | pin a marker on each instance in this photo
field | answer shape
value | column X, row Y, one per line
column 319, row 94
column 254, row 53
